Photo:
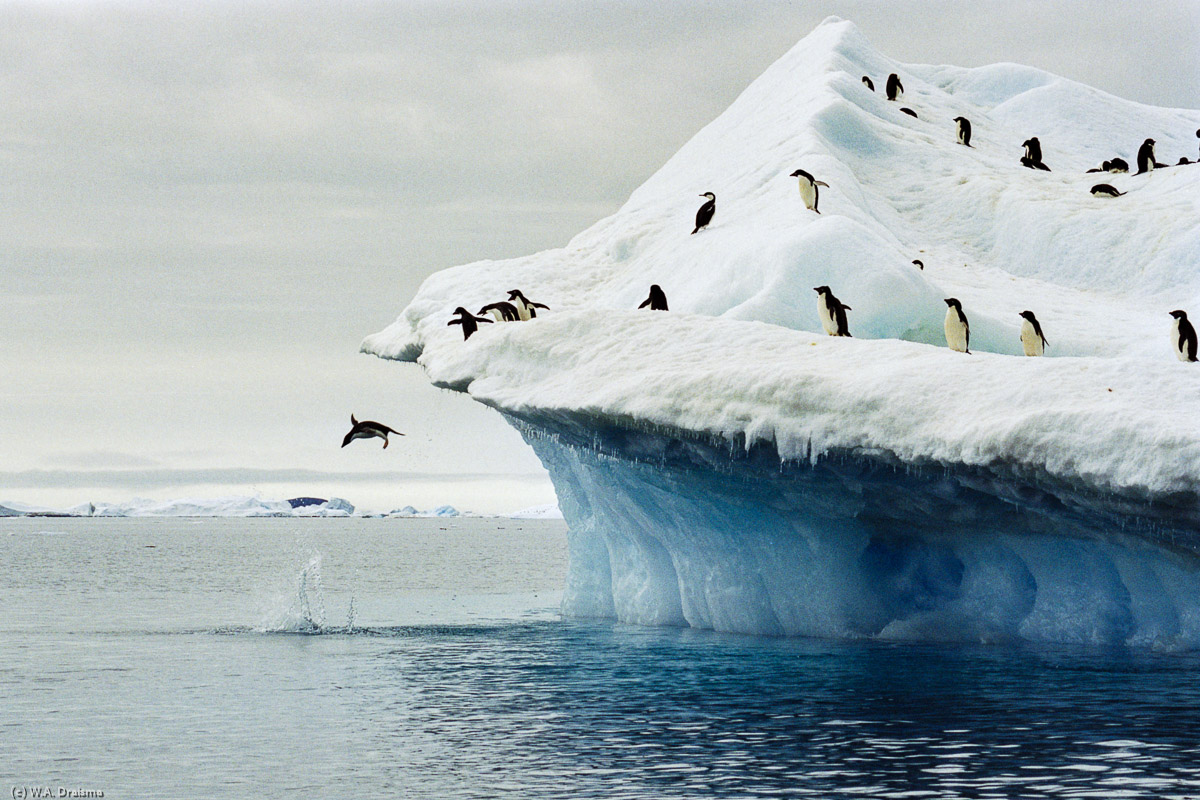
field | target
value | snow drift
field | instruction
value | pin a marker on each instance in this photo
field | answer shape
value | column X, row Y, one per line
column 724, row 465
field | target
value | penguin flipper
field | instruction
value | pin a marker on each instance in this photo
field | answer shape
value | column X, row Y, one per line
column 454, row 322
column 540, row 305
column 645, row 303
column 696, row 229
column 349, row 438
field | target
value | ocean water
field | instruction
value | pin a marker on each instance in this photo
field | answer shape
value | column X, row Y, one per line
column 425, row 658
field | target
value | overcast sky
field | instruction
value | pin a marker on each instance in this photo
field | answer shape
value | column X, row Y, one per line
column 206, row 207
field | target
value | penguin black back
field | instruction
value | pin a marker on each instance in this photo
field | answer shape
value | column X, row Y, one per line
column 908, row 111
column 1106, row 190
column 1185, row 337
column 657, row 299
column 894, row 87
column 867, row 83
column 469, row 322
column 705, row 213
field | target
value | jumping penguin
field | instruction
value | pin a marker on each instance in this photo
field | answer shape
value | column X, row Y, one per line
column 1106, row 190
column 1032, row 340
column 868, row 83
column 808, row 189
column 657, row 299
column 705, row 213
column 963, row 130
column 894, row 88
column 469, row 322
column 368, row 430
column 958, row 330
column 832, row 312
column 1183, row 337
column 501, row 312
column 526, row 310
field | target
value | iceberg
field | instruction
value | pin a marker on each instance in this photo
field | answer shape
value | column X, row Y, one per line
column 725, row 465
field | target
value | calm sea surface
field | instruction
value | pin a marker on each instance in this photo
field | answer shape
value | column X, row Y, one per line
column 425, row 658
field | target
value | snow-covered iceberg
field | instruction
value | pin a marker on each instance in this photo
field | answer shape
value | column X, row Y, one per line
column 726, row 465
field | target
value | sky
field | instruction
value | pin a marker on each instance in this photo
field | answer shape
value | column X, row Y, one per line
column 207, row 206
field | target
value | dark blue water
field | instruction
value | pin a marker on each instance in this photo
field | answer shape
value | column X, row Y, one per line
column 151, row 674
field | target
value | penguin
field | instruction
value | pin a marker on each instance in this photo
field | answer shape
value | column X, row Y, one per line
column 832, row 312
column 367, row 430
column 1105, row 190
column 868, row 83
column 958, row 330
column 808, row 189
column 908, row 111
column 894, row 87
column 705, row 213
column 526, row 310
column 920, row 264
column 1145, row 157
column 657, row 299
column 1117, row 165
column 1032, row 340
column 1183, row 336
column 963, row 130
column 469, row 322
column 1182, row 160
column 501, row 312
column 1033, row 154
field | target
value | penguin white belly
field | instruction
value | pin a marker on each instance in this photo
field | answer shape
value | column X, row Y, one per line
column 956, row 332
column 808, row 193
column 827, row 320
column 496, row 314
column 1030, row 341
column 523, row 311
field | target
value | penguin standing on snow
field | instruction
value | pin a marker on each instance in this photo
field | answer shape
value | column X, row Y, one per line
column 501, row 312
column 832, row 312
column 1105, row 190
column 958, row 330
column 1033, row 154
column 469, row 322
column 808, row 189
column 1032, row 340
column 963, row 130
column 1145, row 157
column 368, row 430
column 657, row 299
column 894, row 88
column 1183, row 336
column 867, row 83
column 705, row 213
column 526, row 310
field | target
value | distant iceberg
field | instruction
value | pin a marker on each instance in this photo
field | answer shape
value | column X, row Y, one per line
column 187, row 507
column 440, row 511
column 725, row 465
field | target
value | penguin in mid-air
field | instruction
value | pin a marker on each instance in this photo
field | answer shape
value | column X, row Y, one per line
column 1183, row 336
column 368, row 430
column 704, row 214
column 808, row 189
column 958, row 330
column 832, row 312
column 963, row 130
column 501, row 312
column 1033, row 154
column 469, row 322
column 657, row 299
column 894, row 88
column 868, row 83
column 526, row 310
column 1032, row 340
column 1145, row 157
column 1105, row 190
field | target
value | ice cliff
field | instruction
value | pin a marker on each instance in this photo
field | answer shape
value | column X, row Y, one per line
column 726, row 465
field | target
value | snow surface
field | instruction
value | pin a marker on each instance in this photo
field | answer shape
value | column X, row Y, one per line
column 740, row 362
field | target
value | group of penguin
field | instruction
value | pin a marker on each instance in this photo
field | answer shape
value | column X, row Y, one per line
column 958, row 329
column 520, row 308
